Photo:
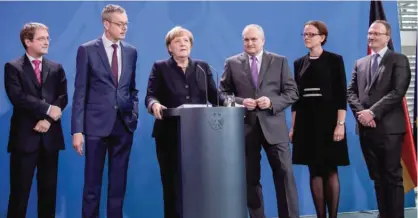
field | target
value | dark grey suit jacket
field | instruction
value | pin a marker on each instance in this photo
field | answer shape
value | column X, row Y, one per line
column 382, row 94
column 274, row 81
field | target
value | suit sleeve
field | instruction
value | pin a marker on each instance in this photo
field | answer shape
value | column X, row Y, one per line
column 401, row 77
column 132, row 88
column 288, row 93
column 339, row 85
column 19, row 98
column 153, row 88
column 226, row 84
column 80, row 91
column 62, row 99
column 352, row 93
column 295, row 105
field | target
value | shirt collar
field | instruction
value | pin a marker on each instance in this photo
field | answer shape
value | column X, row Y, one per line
column 258, row 56
column 108, row 43
column 382, row 52
column 32, row 58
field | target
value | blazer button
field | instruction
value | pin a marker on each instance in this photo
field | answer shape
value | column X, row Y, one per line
column 187, row 97
column 116, row 107
column 186, row 86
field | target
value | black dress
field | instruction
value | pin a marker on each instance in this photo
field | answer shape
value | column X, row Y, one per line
column 322, row 92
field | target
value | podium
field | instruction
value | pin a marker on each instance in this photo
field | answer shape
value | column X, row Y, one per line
column 211, row 161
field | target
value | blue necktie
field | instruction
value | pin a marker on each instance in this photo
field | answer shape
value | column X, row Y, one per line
column 375, row 65
column 254, row 70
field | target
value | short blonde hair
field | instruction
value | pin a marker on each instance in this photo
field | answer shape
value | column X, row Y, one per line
column 109, row 9
column 28, row 31
column 176, row 32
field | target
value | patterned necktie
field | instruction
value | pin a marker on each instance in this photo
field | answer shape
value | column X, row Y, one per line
column 375, row 64
column 37, row 63
column 115, row 63
column 254, row 70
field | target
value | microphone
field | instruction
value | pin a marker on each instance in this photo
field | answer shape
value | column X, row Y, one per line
column 216, row 85
column 206, row 85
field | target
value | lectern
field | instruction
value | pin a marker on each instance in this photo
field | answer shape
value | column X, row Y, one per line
column 211, row 161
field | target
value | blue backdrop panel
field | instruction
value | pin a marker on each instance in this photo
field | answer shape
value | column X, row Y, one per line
column 217, row 28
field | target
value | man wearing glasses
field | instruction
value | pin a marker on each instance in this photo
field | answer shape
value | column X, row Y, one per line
column 105, row 111
column 37, row 89
column 379, row 83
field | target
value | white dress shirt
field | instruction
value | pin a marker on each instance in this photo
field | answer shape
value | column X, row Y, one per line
column 109, row 52
column 381, row 53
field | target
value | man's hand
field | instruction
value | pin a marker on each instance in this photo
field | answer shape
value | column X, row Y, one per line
column 250, row 103
column 55, row 112
column 364, row 117
column 291, row 134
column 42, row 126
column 372, row 124
column 78, row 141
column 157, row 110
column 263, row 102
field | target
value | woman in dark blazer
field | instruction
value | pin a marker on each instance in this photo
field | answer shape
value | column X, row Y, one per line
column 318, row 117
column 173, row 82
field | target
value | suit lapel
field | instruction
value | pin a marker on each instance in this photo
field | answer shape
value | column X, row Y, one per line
column 247, row 71
column 102, row 53
column 28, row 69
column 380, row 68
column 124, row 54
column 45, row 70
column 265, row 63
column 366, row 76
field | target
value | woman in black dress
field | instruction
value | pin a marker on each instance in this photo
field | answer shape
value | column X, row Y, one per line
column 318, row 117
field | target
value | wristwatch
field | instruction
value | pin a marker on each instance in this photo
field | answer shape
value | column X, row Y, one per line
column 340, row 122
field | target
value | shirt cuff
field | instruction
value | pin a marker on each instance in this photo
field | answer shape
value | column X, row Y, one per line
column 150, row 105
column 49, row 108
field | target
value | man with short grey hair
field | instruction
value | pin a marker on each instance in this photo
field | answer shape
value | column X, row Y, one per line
column 262, row 82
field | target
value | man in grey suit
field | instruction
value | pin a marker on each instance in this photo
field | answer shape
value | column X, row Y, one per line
column 378, row 85
column 262, row 82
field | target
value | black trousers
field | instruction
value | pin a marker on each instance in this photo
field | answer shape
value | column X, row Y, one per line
column 22, row 168
column 383, row 158
column 167, row 154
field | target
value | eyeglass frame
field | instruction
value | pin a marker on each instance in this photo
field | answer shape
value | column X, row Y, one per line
column 120, row 25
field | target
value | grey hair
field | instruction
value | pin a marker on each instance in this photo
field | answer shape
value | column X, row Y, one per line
column 254, row 26
column 109, row 9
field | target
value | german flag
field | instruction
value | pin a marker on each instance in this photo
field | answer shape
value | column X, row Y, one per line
column 409, row 158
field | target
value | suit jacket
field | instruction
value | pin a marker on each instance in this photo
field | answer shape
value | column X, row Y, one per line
column 274, row 81
column 171, row 87
column 31, row 101
column 97, row 101
column 382, row 94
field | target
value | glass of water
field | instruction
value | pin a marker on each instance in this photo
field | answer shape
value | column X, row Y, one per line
column 230, row 99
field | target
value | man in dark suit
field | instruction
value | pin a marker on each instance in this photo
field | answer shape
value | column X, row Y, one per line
column 105, row 111
column 37, row 89
column 378, row 85
column 262, row 82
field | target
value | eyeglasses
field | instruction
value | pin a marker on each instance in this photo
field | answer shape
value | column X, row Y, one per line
column 43, row 39
column 120, row 25
column 375, row 34
column 309, row 35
